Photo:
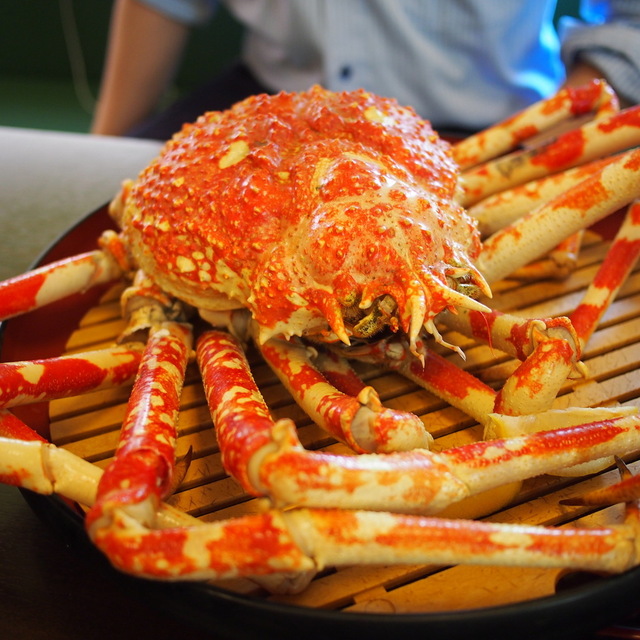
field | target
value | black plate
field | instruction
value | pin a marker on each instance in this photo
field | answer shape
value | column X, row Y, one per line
column 572, row 612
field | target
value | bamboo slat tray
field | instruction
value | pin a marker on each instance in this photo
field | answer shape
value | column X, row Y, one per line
column 410, row 597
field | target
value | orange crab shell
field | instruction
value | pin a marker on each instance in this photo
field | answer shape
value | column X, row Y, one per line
column 298, row 205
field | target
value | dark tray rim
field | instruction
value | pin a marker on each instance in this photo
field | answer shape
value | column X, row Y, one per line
column 574, row 611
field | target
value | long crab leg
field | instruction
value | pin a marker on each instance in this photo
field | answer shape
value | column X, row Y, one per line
column 55, row 281
column 501, row 209
column 542, row 116
column 435, row 374
column 361, row 422
column 42, row 380
column 596, row 139
column 29, row 461
column 141, row 472
column 618, row 263
column 613, row 187
column 268, row 459
column 308, row 539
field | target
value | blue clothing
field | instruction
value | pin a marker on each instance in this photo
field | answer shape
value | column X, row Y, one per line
column 463, row 64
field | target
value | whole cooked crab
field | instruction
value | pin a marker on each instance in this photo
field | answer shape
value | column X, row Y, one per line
column 324, row 226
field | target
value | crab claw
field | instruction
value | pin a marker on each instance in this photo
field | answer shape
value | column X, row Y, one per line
column 627, row 490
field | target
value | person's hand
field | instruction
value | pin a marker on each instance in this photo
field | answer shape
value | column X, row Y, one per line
column 582, row 73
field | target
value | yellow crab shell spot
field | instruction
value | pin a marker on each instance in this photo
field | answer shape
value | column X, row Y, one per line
column 375, row 115
column 185, row 265
column 238, row 151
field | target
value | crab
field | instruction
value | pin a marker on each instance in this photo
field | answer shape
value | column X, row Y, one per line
column 324, row 226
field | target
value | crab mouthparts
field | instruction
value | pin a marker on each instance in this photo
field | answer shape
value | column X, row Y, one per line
column 363, row 324
column 383, row 316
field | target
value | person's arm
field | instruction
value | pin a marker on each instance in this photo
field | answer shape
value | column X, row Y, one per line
column 142, row 56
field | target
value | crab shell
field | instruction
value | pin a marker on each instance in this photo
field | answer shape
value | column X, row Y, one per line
column 325, row 214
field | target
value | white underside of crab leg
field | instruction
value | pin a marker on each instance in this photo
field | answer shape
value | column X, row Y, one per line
column 46, row 469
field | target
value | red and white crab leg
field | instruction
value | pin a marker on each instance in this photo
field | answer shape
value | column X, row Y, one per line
column 26, row 382
column 141, row 472
column 558, row 263
column 618, row 263
column 596, row 139
column 627, row 490
column 540, row 117
column 363, row 423
column 435, row 374
column 501, row 209
column 531, row 388
column 310, row 539
column 268, row 460
column 548, row 347
column 613, row 187
column 303, row 540
column 55, row 281
column 339, row 373
column 29, row 461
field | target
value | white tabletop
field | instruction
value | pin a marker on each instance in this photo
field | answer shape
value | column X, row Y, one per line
column 49, row 180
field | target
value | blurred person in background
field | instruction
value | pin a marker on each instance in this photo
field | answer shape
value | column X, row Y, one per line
column 462, row 64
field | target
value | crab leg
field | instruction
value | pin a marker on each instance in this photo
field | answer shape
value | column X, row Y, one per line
column 268, row 460
column 141, row 472
column 339, row 373
column 55, row 281
column 596, row 139
column 435, row 374
column 302, row 540
column 42, row 380
column 361, row 422
column 558, row 263
column 28, row 461
column 501, row 209
column 613, row 187
column 540, row 117
column 308, row 539
column 626, row 490
column 618, row 263
column 549, row 348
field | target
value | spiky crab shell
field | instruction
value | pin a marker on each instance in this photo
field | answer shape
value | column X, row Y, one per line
column 308, row 209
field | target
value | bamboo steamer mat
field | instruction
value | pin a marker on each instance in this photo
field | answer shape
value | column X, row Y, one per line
column 88, row 426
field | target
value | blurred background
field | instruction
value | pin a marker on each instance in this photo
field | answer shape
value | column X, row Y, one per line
column 51, row 56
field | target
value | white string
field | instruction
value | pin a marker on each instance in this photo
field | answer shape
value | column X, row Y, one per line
column 76, row 56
